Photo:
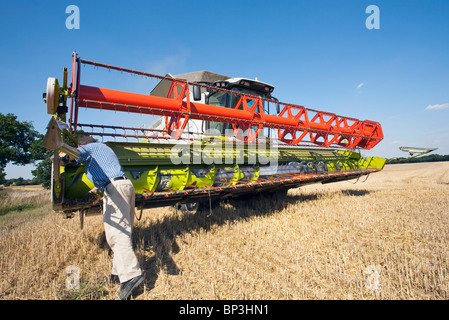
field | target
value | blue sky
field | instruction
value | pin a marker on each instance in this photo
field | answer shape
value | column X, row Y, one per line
column 316, row 53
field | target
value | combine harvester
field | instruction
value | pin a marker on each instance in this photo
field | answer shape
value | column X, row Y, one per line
column 413, row 152
column 416, row 152
column 216, row 139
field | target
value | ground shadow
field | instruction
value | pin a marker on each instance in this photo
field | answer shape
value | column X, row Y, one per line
column 355, row 192
column 157, row 242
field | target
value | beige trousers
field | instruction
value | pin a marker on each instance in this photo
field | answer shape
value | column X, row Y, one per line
column 118, row 217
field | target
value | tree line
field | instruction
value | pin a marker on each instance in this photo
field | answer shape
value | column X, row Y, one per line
column 428, row 158
column 21, row 144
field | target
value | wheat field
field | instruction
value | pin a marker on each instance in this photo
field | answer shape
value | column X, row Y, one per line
column 383, row 238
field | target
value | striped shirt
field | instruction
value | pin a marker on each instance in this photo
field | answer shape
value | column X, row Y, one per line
column 100, row 164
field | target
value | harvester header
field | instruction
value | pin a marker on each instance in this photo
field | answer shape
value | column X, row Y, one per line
column 221, row 121
column 294, row 123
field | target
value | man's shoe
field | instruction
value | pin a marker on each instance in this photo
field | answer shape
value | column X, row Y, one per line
column 128, row 287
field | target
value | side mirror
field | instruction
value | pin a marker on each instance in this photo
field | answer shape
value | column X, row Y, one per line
column 196, row 93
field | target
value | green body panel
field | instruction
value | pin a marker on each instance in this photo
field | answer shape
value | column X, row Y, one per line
column 137, row 153
column 145, row 179
column 156, row 167
column 76, row 184
column 372, row 163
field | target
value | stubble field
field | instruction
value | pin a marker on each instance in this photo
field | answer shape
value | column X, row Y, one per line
column 385, row 238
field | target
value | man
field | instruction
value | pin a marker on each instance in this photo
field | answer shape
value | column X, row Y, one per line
column 103, row 169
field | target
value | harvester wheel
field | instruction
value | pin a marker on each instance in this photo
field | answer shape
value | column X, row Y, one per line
column 196, row 207
column 187, row 207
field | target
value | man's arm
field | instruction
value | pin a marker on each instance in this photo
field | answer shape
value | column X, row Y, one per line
column 65, row 158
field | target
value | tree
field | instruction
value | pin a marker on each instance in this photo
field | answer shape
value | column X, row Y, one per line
column 16, row 139
column 42, row 173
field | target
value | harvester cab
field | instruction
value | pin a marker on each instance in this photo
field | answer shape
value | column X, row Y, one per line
column 217, row 138
column 209, row 96
column 230, row 100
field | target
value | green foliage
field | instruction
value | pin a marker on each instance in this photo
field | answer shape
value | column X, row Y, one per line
column 86, row 291
column 42, row 173
column 16, row 139
column 21, row 144
column 21, row 182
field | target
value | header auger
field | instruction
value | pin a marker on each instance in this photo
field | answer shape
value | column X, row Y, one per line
column 216, row 138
